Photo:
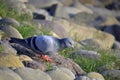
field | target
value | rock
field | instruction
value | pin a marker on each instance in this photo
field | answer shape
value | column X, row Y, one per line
column 83, row 18
column 19, row 7
column 116, row 45
column 25, row 58
column 9, row 60
column 67, row 71
column 60, row 61
column 7, row 48
column 94, row 19
column 9, row 21
column 11, row 31
column 66, row 2
column 95, row 75
column 15, row 4
column 41, row 14
column 7, row 74
column 35, row 65
column 88, row 54
column 69, row 11
column 81, row 7
column 114, row 30
column 82, row 78
column 51, row 26
column 95, row 3
column 115, row 5
column 42, row 3
column 90, row 43
column 117, row 53
column 85, row 78
column 103, row 11
column 58, row 74
column 80, row 32
column 32, row 74
column 24, row 1
column 114, row 74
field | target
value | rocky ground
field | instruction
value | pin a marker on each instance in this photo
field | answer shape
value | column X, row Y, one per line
column 93, row 24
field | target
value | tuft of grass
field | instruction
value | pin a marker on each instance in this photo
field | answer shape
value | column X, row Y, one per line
column 26, row 30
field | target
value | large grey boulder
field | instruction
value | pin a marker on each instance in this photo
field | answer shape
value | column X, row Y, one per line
column 42, row 3
column 88, row 54
column 57, row 74
column 11, row 31
column 32, row 74
column 67, row 71
column 114, row 74
column 7, row 74
column 9, row 21
column 114, row 30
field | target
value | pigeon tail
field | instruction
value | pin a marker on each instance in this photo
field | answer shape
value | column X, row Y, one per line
column 16, row 40
column 19, row 41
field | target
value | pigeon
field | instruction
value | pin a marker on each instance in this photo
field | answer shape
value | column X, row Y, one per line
column 44, row 45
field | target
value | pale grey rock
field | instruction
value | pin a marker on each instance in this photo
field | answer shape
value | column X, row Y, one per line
column 42, row 3
column 90, row 43
column 116, row 45
column 114, row 30
column 57, row 74
column 11, row 31
column 9, row 21
column 32, row 74
column 103, row 11
column 67, row 71
column 51, row 26
column 7, row 48
column 41, row 14
column 7, row 74
column 114, row 74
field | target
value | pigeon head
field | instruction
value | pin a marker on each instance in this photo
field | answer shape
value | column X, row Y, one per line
column 67, row 42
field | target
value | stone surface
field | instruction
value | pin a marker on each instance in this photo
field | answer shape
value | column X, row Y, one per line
column 103, row 11
column 9, row 21
column 85, row 78
column 42, row 3
column 35, row 65
column 58, row 74
column 90, row 43
column 7, row 48
column 87, row 53
column 95, row 75
column 9, row 60
column 51, row 26
column 116, row 45
column 66, row 2
column 114, row 74
column 41, row 14
column 91, row 2
column 80, row 32
column 32, row 74
column 25, row 58
column 7, row 74
column 114, row 30
column 81, row 7
column 68, row 72
column 61, row 61
column 11, row 31
column 95, row 20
